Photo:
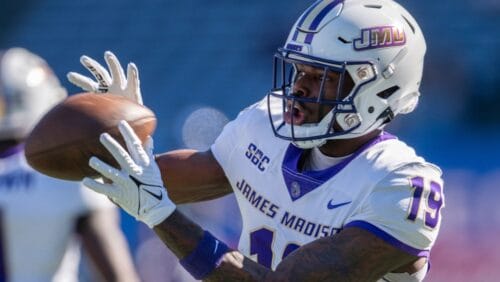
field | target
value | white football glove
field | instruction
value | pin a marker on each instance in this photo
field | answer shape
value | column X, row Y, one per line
column 137, row 187
column 115, row 83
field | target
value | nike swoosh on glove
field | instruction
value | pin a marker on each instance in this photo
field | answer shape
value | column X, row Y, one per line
column 137, row 186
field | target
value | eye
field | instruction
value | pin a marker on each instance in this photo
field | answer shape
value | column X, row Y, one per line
column 321, row 77
column 298, row 75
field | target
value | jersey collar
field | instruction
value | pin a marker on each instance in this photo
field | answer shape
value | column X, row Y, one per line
column 300, row 183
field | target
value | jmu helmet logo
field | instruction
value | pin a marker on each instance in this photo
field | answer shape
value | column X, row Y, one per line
column 379, row 37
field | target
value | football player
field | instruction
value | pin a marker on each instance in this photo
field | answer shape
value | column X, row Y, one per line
column 325, row 193
column 38, row 214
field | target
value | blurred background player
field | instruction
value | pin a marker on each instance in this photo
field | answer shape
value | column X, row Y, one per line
column 39, row 215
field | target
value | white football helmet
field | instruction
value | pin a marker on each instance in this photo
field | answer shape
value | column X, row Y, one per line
column 377, row 43
column 28, row 89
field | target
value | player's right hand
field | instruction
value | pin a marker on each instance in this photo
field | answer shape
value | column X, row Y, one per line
column 136, row 185
column 113, row 81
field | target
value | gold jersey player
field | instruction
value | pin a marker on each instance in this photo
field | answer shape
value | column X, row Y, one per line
column 325, row 193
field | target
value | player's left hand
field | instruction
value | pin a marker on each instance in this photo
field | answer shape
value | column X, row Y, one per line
column 113, row 81
column 137, row 187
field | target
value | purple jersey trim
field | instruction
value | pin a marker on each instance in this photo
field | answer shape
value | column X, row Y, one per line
column 388, row 238
column 300, row 183
column 12, row 151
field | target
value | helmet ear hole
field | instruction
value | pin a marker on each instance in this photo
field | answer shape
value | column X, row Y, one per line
column 385, row 94
column 387, row 115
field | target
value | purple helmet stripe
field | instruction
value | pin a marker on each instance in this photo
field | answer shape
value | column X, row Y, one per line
column 314, row 19
column 309, row 38
column 321, row 15
column 307, row 12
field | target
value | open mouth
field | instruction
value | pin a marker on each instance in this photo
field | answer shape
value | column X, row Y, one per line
column 294, row 115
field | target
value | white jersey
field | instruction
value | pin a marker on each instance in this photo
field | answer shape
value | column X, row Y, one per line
column 37, row 219
column 383, row 188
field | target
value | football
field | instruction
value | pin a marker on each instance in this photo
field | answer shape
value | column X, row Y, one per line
column 62, row 142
